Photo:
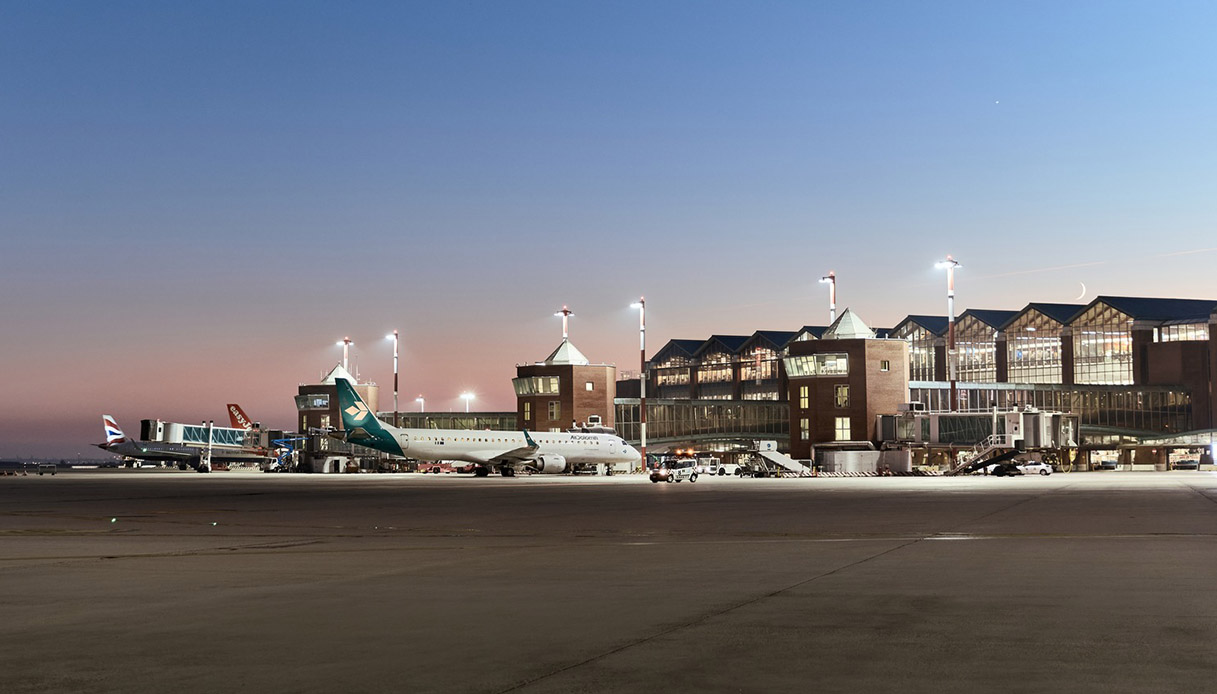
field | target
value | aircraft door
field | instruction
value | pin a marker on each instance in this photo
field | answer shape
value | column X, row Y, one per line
column 403, row 440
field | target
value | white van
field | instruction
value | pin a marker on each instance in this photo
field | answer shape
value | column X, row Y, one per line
column 715, row 467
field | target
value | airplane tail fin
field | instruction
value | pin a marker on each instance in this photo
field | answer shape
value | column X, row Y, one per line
column 238, row 418
column 355, row 413
column 113, row 433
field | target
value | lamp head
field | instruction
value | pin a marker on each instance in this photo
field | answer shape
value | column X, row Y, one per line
column 948, row 263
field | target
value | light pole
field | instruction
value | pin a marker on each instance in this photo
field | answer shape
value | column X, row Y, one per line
column 641, row 305
column 831, row 280
column 949, row 265
column 466, row 397
column 346, row 351
column 422, row 404
column 394, row 338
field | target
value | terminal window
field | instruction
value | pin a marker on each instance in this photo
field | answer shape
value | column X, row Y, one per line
column 555, row 410
column 842, row 429
column 842, row 396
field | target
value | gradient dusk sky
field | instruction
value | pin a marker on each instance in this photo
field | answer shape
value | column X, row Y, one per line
column 198, row 199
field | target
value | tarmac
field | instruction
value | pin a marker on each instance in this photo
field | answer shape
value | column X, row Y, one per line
column 169, row 581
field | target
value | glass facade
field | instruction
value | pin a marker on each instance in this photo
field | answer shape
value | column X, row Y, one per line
column 817, row 365
column 976, row 345
column 1033, row 349
column 673, row 371
column 1133, row 409
column 677, row 420
column 921, row 350
column 313, row 401
column 1102, row 346
column 1187, row 332
column 536, row 385
column 716, row 367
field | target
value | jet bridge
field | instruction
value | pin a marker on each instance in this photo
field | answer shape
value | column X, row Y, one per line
column 982, row 437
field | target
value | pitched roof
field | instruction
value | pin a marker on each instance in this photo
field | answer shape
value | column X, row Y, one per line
column 1061, row 313
column 566, row 354
column 994, row 318
column 683, row 347
column 848, row 326
column 776, row 338
column 338, row 372
column 1172, row 310
column 730, row 343
column 816, row 331
column 935, row 324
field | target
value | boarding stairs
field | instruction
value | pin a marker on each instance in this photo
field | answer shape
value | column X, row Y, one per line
column 786, row 466
column 983, row 454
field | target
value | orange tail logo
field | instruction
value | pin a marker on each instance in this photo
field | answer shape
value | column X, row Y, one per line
column 238, row 418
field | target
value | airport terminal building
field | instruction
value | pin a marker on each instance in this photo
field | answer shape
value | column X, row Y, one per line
column 1133, row 369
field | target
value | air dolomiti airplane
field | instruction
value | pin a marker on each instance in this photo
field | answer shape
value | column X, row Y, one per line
column 505, row 451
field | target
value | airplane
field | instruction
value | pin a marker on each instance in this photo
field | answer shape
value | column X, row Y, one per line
column 161, row 451
column 238, row 418
column 504, row 451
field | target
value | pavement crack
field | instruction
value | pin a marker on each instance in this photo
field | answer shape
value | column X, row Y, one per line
column 707, row 617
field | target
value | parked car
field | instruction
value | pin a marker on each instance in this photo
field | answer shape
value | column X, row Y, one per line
column 675, row 470
column 1010, row 469
column 1006, row 469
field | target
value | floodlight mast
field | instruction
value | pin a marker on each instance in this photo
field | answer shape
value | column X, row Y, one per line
column 394, row 338
column 346, row 352
column 641, row 305
column 566, row 313
column 831, row 280
column 950, row 264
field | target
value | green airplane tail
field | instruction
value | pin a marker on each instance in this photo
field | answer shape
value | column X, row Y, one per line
column 355, row 413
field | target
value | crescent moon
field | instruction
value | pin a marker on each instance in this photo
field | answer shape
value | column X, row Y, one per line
column 1079, row 297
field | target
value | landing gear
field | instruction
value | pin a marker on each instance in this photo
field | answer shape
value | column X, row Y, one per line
column 507, row 471
column 480, row 472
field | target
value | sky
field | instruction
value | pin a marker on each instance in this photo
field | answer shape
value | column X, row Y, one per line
column 198, row 200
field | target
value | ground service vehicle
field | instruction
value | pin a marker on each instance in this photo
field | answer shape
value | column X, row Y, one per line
column 715, row 467
column 675, row 470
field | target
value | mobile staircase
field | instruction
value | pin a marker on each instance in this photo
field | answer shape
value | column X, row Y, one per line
column 783, row 465
column 996, row 448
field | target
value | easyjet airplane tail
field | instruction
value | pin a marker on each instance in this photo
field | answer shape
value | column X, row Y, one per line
column 113, row 433
column 239, row 420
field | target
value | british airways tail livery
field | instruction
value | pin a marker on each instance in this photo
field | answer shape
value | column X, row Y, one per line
column 113, row 433
column 504, row 451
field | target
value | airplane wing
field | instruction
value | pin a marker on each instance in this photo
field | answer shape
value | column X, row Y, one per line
column 517, row 455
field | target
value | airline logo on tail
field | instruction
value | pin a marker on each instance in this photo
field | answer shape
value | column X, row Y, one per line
column 238, row 418
column 113, row 433
column 357, row 411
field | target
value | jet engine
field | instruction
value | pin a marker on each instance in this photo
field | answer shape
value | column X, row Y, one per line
column 550, row 464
